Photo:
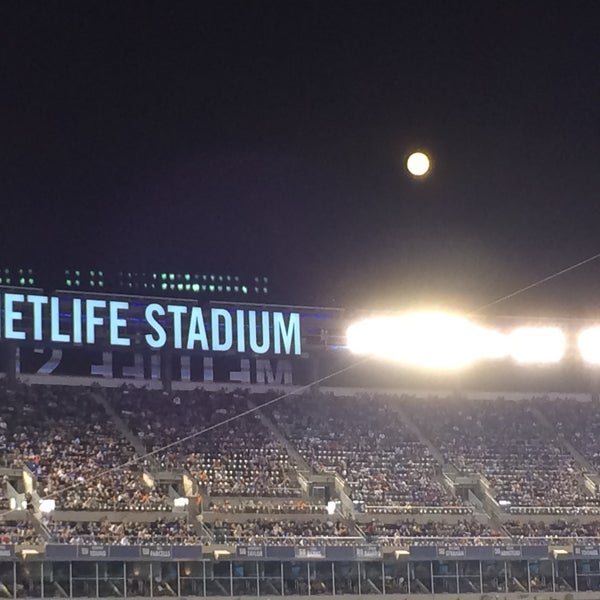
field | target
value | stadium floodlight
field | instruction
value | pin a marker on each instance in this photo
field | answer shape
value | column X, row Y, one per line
column 332, row 506
column 433, row 340
column 47, row 505
column 537, row 345
column 492, row 344
column 589, row 345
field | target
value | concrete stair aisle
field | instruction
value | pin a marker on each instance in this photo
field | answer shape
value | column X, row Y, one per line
column 120, row 424
column 451, row 476
column 414, row 428
column 590, row 480
column 300, row 462
column 149, row 464
column 554, row 436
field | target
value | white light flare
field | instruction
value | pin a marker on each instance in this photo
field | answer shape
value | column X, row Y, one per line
column 492, row 344
column 444, row 341
column 537, row 345
column 432, row 340
column 47, row 505
column 589, row 345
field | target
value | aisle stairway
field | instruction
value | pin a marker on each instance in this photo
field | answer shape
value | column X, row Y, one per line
column 120, row 424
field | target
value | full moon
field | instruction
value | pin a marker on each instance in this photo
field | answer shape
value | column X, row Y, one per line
column 418, row 164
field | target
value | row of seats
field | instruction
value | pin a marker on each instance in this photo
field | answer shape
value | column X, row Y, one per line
column 317, row 530
column 240, row 459
column 69, row 443
column 67, row 439
column 164, row 531
column 364, row 440
column 505, row 442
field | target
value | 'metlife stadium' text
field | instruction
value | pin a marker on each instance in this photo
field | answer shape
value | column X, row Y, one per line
column 34, row 317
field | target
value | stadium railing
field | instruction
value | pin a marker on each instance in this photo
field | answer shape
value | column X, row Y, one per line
column 442, row 540
column 295, row 540
column 553, row 510
column 417, row 510
column 154, row 540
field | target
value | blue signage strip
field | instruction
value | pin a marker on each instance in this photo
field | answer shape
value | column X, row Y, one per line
column 92, row 552
column 368, row 552
column 507, row 552
column 310, row 552
column 61, row 552
column 423, row 552
column 105, row 552
column 187, row 552
column 340, row 552
column 253, row 552
column 451, row 552
column 125, row 552
column 479, row 553
column 586, row 551
column 7, row 551
column 535, row 551
column 280, row 552
column 314, row 552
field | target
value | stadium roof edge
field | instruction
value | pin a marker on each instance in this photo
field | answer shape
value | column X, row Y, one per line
column 271, row 305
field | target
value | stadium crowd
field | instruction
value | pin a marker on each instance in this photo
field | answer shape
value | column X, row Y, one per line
column 412, row 532
column 579, row 423
column 4, row 501
column 163, row 531
column 503, row 441
column 282, row 531
column 19, row 532
column 239, row 459
column 66, row 439
column 557, row 530
column 364, row 441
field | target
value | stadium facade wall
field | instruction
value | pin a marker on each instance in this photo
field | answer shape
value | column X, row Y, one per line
column 151, row 577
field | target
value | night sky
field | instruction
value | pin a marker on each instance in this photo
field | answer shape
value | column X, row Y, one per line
column 269, row 138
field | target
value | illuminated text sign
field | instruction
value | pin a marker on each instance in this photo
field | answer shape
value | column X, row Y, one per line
column 38, row 318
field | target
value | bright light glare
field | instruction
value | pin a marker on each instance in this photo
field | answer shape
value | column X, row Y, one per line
column 433, row 340
column 418, row 164
column 492, row 344
column 537, row 344
column 589, row 345
column 47, row 505
column 443, row 341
